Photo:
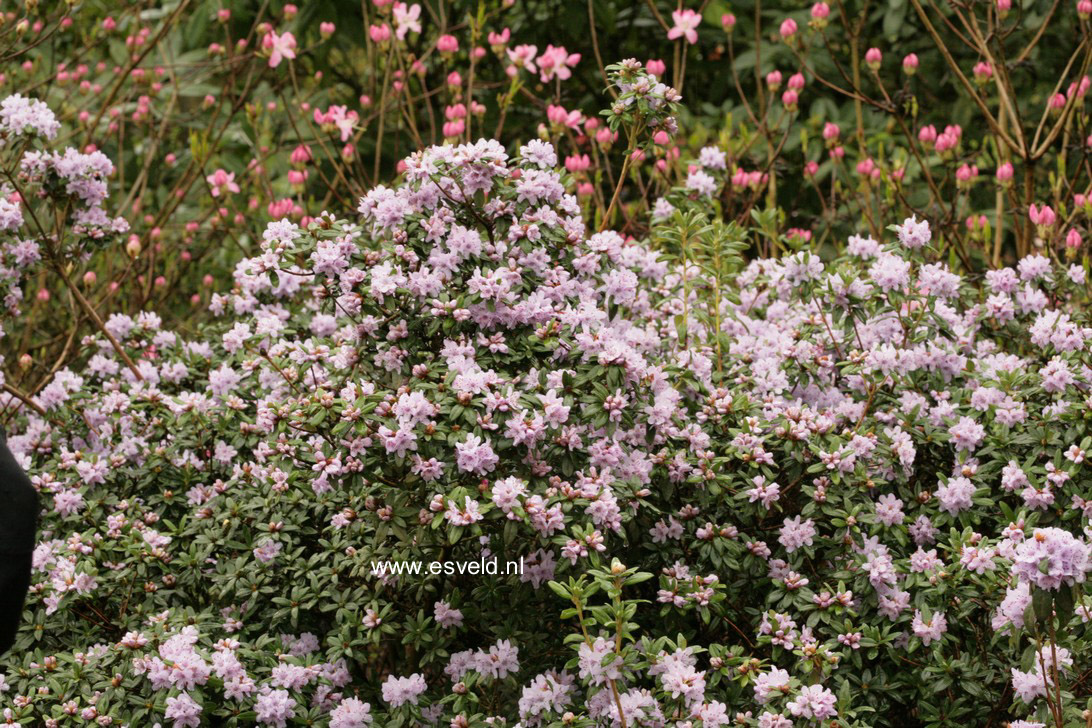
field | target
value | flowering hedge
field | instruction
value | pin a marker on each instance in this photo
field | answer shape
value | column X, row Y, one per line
column 762, row 460
column 773, row 493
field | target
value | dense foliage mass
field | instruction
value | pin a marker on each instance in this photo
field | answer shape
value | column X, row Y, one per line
column 598, row 423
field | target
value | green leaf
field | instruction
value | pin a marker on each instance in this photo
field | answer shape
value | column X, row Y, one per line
column 1041, row 601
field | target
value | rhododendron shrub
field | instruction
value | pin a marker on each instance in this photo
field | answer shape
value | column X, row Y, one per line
column 468, row 370
column 791, row 493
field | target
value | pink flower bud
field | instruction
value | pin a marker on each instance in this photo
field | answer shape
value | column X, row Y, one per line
column 296, row 177
column 982, row 73
column 811, row 169
column 497, row 41
column 575, row 163
column 831, row 131
column 966, row 175
column 1043, row 217
column 661, row 138
column 977, row 224
column 866, row 167
column 910, row 64
column 789, row 99
column 1003, row 8
column 379, row 33
column 773, row 80
column 656, row 67
column 223, row 15
column 788, row 28
column 300, row 155
column 1073, row 239
column 873, row 58
column 796, row 82
column 447, row 44
column 326, row 29
column 728, row 21
column 1084, row 9
column 928, row 135
column 1078, row 89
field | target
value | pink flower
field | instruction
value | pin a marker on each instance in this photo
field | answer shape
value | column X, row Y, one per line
column 523, row 56
column 558, row 115
column 406, row 19
column 929, row 630
column 686, row 25
column 398, row 691
column 556, row 62
column 221, row 180
column 788, row 28
column 279, row 47
column 814, row 701
column 910, row 64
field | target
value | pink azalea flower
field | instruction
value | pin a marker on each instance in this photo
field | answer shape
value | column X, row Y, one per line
column 279, row 47
column 686, row 26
